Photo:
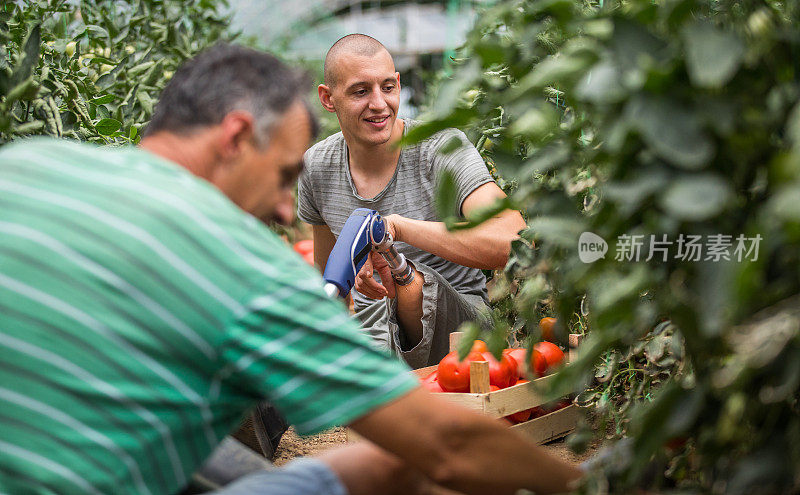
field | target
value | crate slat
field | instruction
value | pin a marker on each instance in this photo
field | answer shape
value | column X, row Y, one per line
column 500, row 402
column 551, row 426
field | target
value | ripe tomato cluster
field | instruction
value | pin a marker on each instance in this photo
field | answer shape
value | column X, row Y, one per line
column 452, row 375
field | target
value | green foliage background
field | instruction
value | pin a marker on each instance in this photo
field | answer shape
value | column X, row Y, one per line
column 94, row 72
column 654, row 117
column 634, row 117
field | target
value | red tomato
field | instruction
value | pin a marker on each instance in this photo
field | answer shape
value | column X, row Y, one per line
column 547, row 326
column 454, row 375
column 519, row 357
column 538, row 363
column 433, row 386
column 479, row 346
column 551, row 353
column 309, row 257
column 431, row 382
column 520, row 417
column 502, row 373
column 304, row 246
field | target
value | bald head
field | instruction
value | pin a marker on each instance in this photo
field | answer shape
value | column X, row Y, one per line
column 352, row 44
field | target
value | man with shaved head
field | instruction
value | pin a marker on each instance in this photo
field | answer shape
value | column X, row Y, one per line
column 362, row 167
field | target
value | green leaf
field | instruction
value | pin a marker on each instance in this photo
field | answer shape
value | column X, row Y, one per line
column 793, row 127
column 447, row 195
column 630, row 194
column 601, row 85
column 561, row 68
column 712, row 55
column 452, row 90
column 145, row 100
column 490, row 52
column 471, row 332
column 26, row 90
column 457, row 118
column 545, row 159
column 100, row 60
column 608, row 290
column 29, row 127
column 452, row 145
column 656, row 348
column 559, row 231
column 107, row 127
column 672, row 130
column 102, row 112
column 153, row 74
column 98, row 32
column 637, row 49
column 537, row 122
column 785, row 205
column 101, row 100
column 30, row 57
column 697, row 197
column 140, row 68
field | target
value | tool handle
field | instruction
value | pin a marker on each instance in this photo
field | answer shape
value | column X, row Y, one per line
column 383, row 243
column 350, row 251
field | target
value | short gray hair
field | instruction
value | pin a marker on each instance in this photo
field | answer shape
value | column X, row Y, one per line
column 226, row 78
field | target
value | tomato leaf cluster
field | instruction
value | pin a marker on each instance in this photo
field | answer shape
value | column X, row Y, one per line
column 655, row 118
column 93, row 70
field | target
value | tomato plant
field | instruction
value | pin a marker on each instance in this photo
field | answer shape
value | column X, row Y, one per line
column 663, row 119
column 93, row 70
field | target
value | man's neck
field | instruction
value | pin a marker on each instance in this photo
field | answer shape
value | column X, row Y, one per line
column 194, row 152
column 376, row 160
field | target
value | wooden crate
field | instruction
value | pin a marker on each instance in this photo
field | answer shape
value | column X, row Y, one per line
column 513, row 399
column 503, row 402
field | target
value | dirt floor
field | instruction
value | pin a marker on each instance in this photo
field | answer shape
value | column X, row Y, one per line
column 292, row 446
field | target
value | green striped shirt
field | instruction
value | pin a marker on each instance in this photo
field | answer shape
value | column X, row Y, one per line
column 142, row 312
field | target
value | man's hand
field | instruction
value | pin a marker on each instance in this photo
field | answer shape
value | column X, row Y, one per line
column 365, row 283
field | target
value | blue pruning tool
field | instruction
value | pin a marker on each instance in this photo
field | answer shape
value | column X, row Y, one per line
column 364, row 231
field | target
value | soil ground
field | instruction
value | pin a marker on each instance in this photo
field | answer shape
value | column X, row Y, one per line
column 293, row 445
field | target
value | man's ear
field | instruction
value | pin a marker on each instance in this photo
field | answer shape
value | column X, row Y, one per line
column 325, row 98
column 236, row 130
column 397, row 77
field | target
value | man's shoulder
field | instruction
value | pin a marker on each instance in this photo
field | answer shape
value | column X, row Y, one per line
column 47, row 145
column 324, row 152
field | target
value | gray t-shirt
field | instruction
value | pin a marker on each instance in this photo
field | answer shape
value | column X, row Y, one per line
column 327, row 195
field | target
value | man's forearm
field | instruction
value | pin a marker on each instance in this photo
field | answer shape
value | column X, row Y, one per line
column 485, row 246
column 463, row 450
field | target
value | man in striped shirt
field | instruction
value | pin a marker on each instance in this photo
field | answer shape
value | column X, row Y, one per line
column 142, row 311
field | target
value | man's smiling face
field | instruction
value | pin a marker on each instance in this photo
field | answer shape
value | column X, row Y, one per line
column 366, row 97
